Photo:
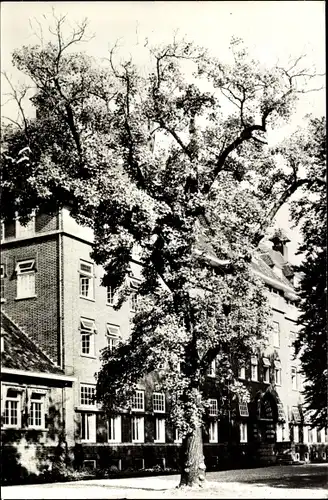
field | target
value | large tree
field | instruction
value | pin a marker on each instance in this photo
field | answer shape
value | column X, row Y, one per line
column 309, row 211
column 172, row 159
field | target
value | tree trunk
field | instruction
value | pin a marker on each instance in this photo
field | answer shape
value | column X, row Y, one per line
column 192, row 460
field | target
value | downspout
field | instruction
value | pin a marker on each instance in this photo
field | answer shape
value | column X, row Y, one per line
column 60, row 293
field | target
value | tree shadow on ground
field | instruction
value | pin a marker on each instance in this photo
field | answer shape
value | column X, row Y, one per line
column 299, row 480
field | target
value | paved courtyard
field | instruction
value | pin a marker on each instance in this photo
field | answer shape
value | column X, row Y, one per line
column 297, row 481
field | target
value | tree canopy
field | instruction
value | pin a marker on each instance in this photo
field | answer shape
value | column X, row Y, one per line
column 310, row 212
column 172, row 159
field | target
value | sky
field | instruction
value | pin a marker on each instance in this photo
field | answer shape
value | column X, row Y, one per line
column 274, row 31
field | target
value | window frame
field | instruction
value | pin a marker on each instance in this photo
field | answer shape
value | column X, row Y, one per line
column 135, row 398
column 133, row 298
column 161, row 396
column 87, row 386
column 212, row 369
column 88, row 330
column 110, row 294
column 10, row 399
column 213, row 408
column 92, row 430
column 115, row 334
column 90, row 276
column 242, row 372
column 159, row 430
column 40, row 400
column 243, row 409
column 243, row 432
column 213, row 434
column 254, row 363
column 24, row 291
column 137, row 426
column 293, row 375
column 27, row 231
column 114, row 426
column 177, row 436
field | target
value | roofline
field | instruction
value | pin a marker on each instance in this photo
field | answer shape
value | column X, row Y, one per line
column 277, row 283
column 50, row 376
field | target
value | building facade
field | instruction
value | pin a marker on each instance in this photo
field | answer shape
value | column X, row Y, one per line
column 51, row 291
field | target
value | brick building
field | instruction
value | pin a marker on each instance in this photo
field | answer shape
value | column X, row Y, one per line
column 51, row 290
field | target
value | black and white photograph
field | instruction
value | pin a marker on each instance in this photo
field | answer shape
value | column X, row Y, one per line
column 163, row 250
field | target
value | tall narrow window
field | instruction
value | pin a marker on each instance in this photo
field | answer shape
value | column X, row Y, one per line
column 294, row 378
column 159, row 430
column 88, row 427
column 25, row 271
column 110, row 296
column 12, row 409
column 138, row 433
column 138, row 401
column 113, row 335
column 177, row 436
column 158, row 402
column 254, row 369
column 2, row 282
column 242, row 372
column 243, row 432
column 276, row 334
column 114, row 429
column 86, row 280
column 296, row 435
column 277, row 372
column 88, row 329
column 213, row 408
column 266, row 370
column 134, row 294
column 213, row 431
column 37, row 412
column 212, row 369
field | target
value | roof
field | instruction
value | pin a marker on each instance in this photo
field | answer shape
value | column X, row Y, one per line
column 267, row 260
column 21, row 353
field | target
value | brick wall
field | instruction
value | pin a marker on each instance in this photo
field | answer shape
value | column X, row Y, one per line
column 37, row 316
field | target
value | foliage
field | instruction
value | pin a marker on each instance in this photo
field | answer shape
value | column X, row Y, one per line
column 310, row 212
column 150, row 160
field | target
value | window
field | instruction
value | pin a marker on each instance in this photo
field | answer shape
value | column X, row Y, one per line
column 2, row 282
column 243, row 410
column 279, row 433
column 242, row 372
column 277, row 372
column 254, row 369
column 177, row 436
column 305, row 434
column 87, row 395
column 281, row 413
column 292, row 338
column 88, row 427
column 27, row 230
column 133, row 295
column 12, row 413
column 25, row 271
column 243, row 432
column 212, row 369
column 266, row 370
column 294, row 378
column 113, row 335
column 86, row 280
column 296, row 414
column 296, row 434
column 138, row 434
column 213, row 431
column 276, row 334
column 88, row 329
column 110, row 296
column 138, row 401
column 37, row 413
column 213, row 408
column 114, row 429
column 158, row 402
column 159, row 430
